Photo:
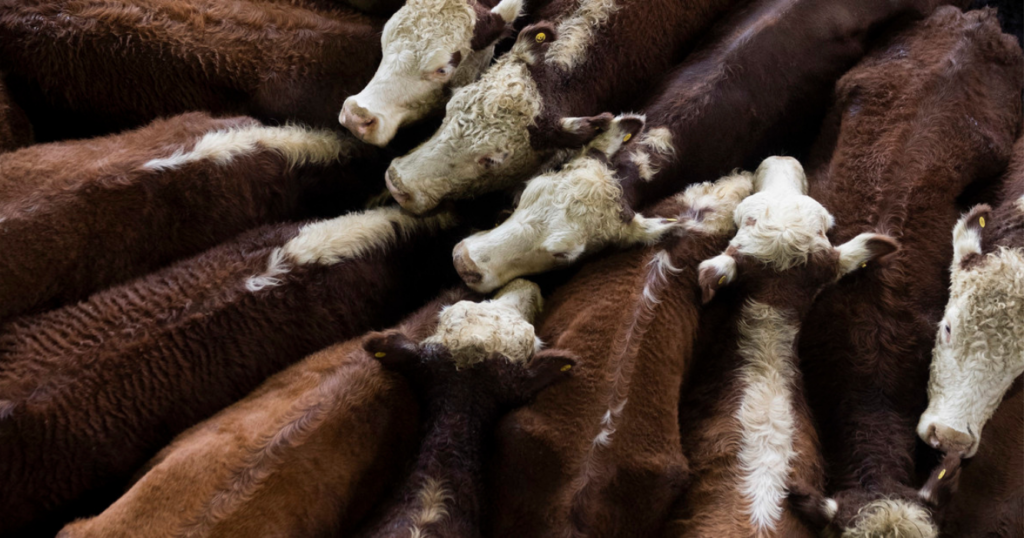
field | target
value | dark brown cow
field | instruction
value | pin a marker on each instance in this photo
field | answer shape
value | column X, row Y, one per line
column 930, row 111
column 90, row 391
column 464, row 385
column 15, row 129
column 91, row 66
column 76, row 217
column 497, row 131
column 758, row 86
column 600, row 454
column 746, row 426
column 308, row 453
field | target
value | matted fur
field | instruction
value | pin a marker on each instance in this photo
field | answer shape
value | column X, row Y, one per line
column 473, row 331
column 576, row 33
column 892, row 518
column 431, row 498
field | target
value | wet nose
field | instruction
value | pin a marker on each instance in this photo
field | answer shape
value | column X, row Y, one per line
column 464, row 265
column 358, row 120
column 391, row 179
column 947, row 439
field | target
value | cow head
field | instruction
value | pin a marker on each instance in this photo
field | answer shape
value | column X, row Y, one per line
column 484, row 143
column 562, row 214
column 486, row 345
column 781, row 230
column 428, row 47
column 979, row 349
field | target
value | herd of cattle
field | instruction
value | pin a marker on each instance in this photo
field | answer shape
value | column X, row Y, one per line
column 199, row 265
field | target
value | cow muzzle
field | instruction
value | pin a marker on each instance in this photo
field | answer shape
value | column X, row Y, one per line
column 363, row 123
column 946, row 438
column 464, row 265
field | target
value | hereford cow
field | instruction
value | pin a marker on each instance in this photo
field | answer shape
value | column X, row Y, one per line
column 91, row 66
column 309, row 453
column 979, row 349
column 76, row 217
column 15, row 129
column 90, row 391
column 748, row 431
column 600, row 455
column 932, row 110
column 499, row 129
column 987, row 492
column 469, row 373
column 430, row 48
column 736, row 80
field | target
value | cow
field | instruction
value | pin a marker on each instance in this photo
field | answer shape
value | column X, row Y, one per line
column 466, row 375
column 979, row 348
column 748, row 433
column 498, row 130
column 310, row 452
column 930, row 111
column 430, row 48
column 87, row 67
column 766, row 72
column 985, row 496
column 90, row 391
column 600, row 454
column 15, row 129
column 76, row 217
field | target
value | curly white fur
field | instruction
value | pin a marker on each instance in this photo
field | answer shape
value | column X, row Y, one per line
column 892, row 518
column 299, row 145
column 576, row 33
column 472, row 331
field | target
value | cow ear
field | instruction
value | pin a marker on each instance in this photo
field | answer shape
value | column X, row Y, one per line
column 866, row 247
column 392, row 348
column 493, row 25
column 548, row 366
column 649, row 230
column 578, row 132
column 628, row 127
column 533, row 41
column 715, row 273
column 967, row 234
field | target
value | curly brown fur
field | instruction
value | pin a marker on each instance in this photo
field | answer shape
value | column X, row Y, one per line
column 929, row 111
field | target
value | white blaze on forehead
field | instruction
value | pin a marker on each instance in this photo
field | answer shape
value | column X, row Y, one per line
column 716, row 201
column 350, row 236
column 976, row 360
column 765, row 415
column 299, row 145
column 780, row 225
column 576, row 33
column 473, row 331
column 488, row 118
column 892, row 517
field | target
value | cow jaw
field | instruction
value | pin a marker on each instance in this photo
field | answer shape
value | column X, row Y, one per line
column 483, row 144
column 426, row 48
column 979, row 351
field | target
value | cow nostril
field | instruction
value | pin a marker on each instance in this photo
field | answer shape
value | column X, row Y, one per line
column 369, row 123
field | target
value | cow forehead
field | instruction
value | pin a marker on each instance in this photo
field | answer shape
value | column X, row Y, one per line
column 582, row 197
column 472, row 331
column 429, row 25
column 989, row 290
column 781, row 229
column 504, row 101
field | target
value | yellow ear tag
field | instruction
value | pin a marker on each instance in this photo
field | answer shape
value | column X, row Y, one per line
column 541, row 36
column 627, row 137
column 721, row 280
column 865, row 264
column 379, row 354
column 566, row 367
column 942, row 473
column 981, row 221
column 671, row 220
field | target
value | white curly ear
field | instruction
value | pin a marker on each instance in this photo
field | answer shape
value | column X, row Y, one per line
column 860, row 250
column 508, row 10
column 715, row 273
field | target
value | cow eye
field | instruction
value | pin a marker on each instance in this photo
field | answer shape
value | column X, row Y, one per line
column 949, row 332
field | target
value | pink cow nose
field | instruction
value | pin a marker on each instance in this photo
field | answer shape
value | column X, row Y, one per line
column 464, row 265
column 358, row 120
column 392, row 180
column 949, row 440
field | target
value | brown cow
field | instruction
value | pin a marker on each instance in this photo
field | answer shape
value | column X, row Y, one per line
column 15, row 129
column 90, row 391
column 979, row 348
column 92, row 66
column 766, row 73
column 746, row 426
column 600, row 454
column 930, row 111
column 469, row 373
column 308, row 453
column 76, row 217
column 499, row 129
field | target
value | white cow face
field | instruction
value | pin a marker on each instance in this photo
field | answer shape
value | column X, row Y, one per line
column 428, row 47
column 780, row 228
column 483, row 144
column 561, row 215
column 979, row 349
